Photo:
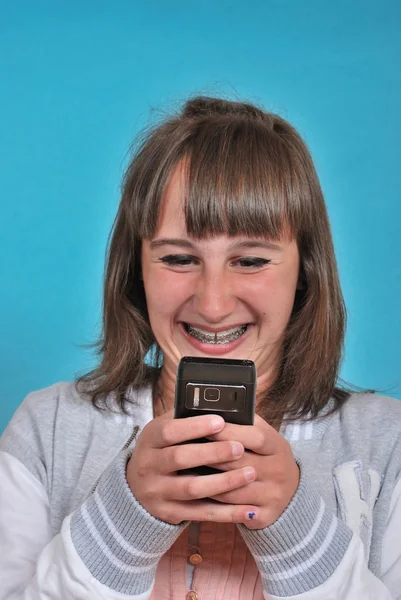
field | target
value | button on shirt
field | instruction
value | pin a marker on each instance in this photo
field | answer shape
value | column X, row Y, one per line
column 226, row 568
column 195, row 559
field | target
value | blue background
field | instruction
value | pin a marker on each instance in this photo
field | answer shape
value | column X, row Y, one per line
column 79, row 79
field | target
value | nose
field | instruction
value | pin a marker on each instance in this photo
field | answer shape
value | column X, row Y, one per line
column 214, row 296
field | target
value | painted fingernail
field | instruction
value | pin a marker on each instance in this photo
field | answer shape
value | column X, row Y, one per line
column 237, row 448
column 249, row 474
column 251, row 515
column 216, row 423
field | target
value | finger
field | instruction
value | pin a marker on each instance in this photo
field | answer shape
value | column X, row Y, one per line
column 255, row 493
column 230, row 466
column 169, row 432
column 204, row 510
column 187, row 456
column 194, row 487
column 261, row 439
column 248, row 458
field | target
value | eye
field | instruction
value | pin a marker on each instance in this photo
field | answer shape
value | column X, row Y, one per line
column 251, row 262
column 179, row 260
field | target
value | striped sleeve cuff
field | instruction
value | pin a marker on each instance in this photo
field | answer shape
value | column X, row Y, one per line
column 303, row 548
column 117, row 539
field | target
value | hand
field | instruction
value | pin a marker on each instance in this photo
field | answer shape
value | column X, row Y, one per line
column 277, row 473
column 158, row 455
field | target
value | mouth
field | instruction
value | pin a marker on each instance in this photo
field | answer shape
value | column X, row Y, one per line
column 215, row 337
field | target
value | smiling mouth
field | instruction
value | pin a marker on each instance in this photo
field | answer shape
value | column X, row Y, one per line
column 221, row 337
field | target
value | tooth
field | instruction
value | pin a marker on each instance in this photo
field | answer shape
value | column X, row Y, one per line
column 222, row 337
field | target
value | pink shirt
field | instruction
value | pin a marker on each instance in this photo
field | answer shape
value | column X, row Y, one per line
column 228, row 570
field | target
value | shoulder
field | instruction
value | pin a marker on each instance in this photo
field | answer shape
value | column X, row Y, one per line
column 372, row 411
column 370, row 425
column 61, row 420
column 45, row 406
column 41, row 409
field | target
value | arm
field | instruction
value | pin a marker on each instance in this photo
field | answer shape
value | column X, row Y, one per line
column 109, row 548
column 302, row 550
column 309, row 554
column 111, row 545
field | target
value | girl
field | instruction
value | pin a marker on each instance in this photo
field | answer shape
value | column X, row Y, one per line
column 221, row 247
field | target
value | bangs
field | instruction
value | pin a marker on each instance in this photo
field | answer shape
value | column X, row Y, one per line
column 241, row 180
column 242, row 177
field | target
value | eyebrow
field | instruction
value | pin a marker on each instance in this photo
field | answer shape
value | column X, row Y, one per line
column 185, row 243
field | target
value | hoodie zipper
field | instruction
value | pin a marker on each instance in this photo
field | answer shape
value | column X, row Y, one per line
column 125, row 447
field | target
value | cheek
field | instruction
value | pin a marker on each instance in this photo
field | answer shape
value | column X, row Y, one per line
column 165, row 293
column 274, row 284
column 274, row 295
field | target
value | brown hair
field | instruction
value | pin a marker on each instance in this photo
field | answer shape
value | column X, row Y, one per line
column 249, row 172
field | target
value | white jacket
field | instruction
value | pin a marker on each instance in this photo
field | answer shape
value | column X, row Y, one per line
column 60, row 538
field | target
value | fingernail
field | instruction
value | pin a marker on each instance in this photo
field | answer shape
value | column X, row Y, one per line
column 216, row 423
column 237, row 448
column 249, row 474
column 251, row 515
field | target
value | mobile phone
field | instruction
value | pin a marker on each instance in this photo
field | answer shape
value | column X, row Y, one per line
column 225, row 387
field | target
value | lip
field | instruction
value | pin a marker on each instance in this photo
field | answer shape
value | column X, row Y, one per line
column 214, row 349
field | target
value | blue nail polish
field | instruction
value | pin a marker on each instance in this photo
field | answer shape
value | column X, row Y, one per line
column 251, row 515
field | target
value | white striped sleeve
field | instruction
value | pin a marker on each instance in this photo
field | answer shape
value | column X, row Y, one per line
column 309, row 554
column 36, row 566
column 117, row 539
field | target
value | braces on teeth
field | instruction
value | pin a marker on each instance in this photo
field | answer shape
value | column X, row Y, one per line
column 216, row 338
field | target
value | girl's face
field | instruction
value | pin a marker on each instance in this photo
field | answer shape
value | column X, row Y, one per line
column 220, row 296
